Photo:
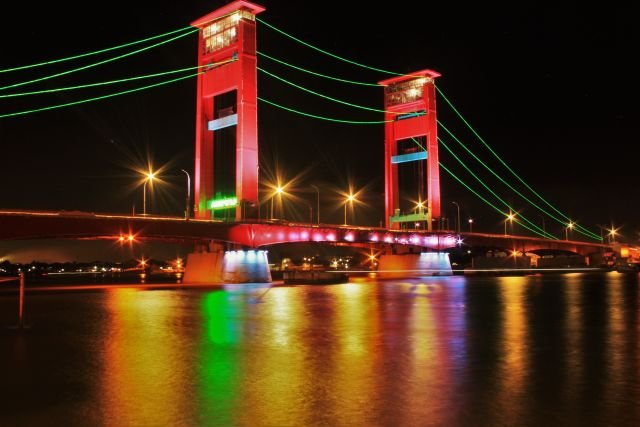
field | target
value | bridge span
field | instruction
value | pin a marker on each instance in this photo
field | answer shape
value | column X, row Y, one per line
column 24, row 225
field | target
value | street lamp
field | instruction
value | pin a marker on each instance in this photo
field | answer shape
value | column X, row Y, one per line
column 350, row 198
column 566, row 230
column 458, row 219
column 318, row 199
column 150, row 175
column 510, row 218
column 470, row 225
column 188, row 205
column 279, row 190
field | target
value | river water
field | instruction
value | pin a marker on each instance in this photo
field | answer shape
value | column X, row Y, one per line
column 543, row 350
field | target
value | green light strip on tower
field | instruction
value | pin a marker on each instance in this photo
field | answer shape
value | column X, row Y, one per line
column 511, row 209
column 84, row 101
column 95, row 52
column 226, row 203
column 95, row 64
column 589, row 233
column 325, row 52
column 505, row 182
column 295, row 67
column 321, row 95
column 485, row 200
column 329, row 119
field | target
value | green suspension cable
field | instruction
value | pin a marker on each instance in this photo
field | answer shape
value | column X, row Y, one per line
column 95, row 64
column 485, row 200
column 325, row 52
column 95, row 52
column 505, row 182
column 295, row 67
column 84, row 101
column 548, row 235
column 329, row 119
column 148, row 76
column 321, row 95
column 55, row 61
column 590, row 233
column 544, row 232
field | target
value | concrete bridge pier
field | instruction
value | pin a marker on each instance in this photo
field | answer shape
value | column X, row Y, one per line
column 216, row 265
column 405, row 265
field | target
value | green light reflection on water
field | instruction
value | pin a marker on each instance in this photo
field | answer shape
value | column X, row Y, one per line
column 219, row 358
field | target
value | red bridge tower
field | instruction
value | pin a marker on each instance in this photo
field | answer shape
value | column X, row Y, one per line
column 412, row 174
column 226, row 158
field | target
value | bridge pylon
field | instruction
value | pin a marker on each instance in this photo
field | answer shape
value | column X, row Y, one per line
column 412, row 173
column 226, row 152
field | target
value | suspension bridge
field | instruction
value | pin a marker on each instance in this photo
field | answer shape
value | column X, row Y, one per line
column 226, row 205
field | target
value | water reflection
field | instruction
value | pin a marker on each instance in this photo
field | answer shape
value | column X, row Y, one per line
column 219, row 363
column 144, row 347
column 514, row 349
column 528, row 350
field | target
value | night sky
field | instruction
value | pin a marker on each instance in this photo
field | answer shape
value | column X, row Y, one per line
column 551, row 88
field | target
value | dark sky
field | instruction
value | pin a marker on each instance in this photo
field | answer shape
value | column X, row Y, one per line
column 550, row 87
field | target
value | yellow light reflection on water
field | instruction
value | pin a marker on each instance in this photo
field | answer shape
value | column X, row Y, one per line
column 515, row 349
column 279, row 381
column 616, row 337
column 574, row 330
column 143, row 360
column 428, row 352
column 356, row 356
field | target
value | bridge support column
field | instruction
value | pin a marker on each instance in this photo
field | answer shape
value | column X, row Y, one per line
column 414, row 265
column 219, row 266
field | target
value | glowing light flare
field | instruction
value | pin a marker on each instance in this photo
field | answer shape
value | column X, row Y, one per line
column 449, row 241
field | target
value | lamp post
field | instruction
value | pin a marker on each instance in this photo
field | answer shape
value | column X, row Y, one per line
column 458, row 218
column 566, row 230
column 150, row 177
column 318, row 201
column 350, row 199
column 188, row 205
column 470, row 225
column 278, row 192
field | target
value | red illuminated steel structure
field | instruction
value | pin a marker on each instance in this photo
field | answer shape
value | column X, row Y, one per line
column 227, row 102
column 410, row 128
